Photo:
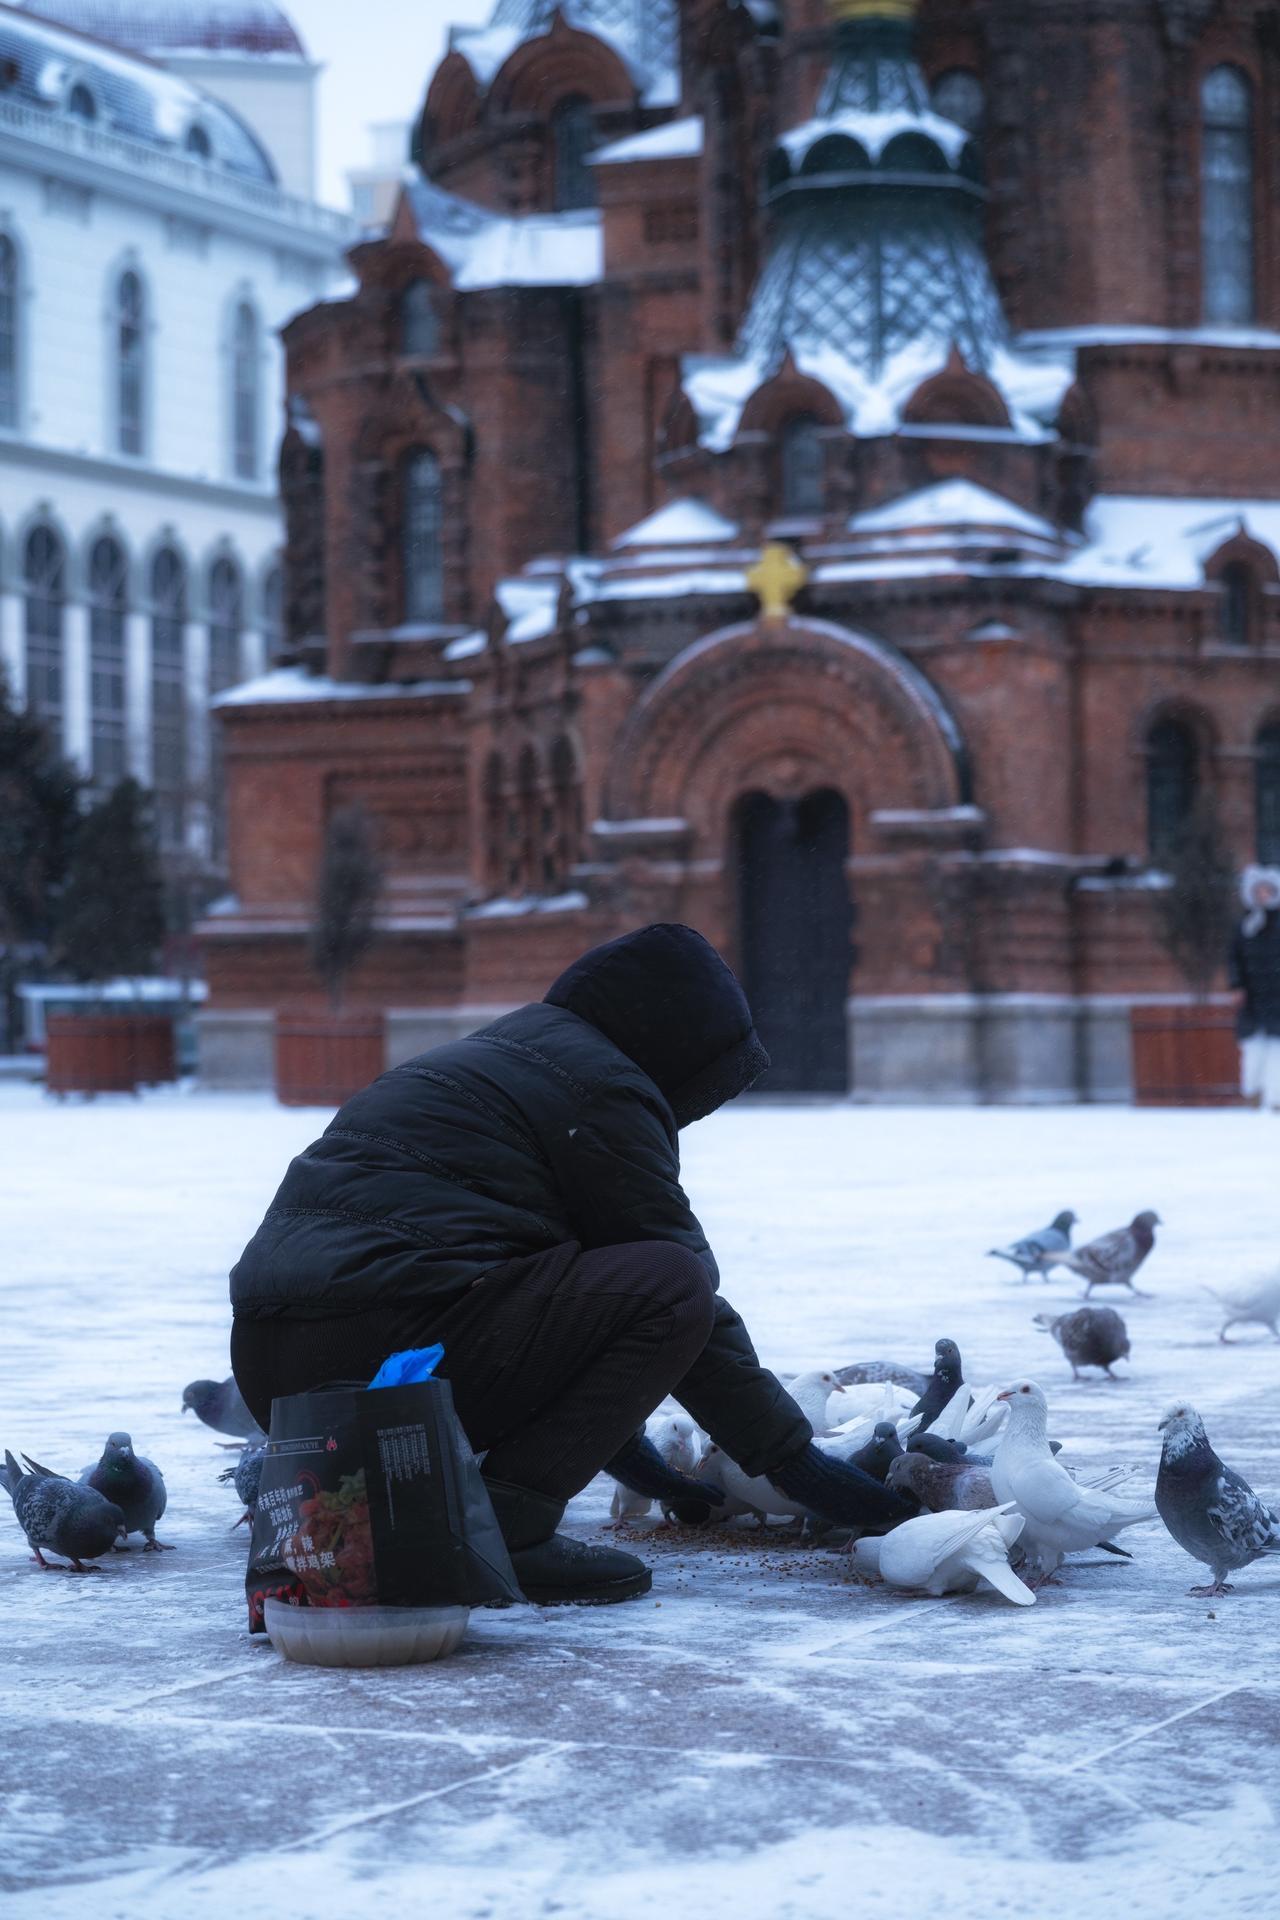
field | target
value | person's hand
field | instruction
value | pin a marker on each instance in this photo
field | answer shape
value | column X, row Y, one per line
column 640, row 1467
column 834, row 1491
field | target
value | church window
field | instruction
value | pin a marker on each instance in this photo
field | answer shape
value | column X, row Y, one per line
column 9, row 293
column 81, row 103
column 528, row 784
column 169, row 694
column 422, row 542
column 958, row 95
column 44, row 581
column 1172, row 779
column 419, row 320
column 1266, row 775
column 245, row 384
column 573, row 136
column 1236, row 582
column 131, row 324
column 108, row 616
column 226, row 622
column 1227, row 196
column 273, row 615
column 197, row 143
column 802, row 466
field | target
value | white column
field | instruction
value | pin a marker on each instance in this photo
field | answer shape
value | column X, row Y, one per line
column 13, row 655
column 75, row 734
column 253, row 653
column 137, row 696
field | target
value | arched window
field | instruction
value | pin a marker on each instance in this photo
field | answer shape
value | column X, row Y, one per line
column 573, row 136
column 9, row 316
column 419, row 320
column 131, row 349
column 1226, row 196
column 421, row 540
column 169, row 695
column 81, row 103
column 958, row 95
column 1236, row 582
column 802, row 466
column 226, row 622
column 1266, row 775
column 197, row 143
column 245, row 369
column 529, row 868
column 494, row 822
column 1172, row 778
column 108, row 613
column 567, row 795
column 44, row 582
column 273, row 615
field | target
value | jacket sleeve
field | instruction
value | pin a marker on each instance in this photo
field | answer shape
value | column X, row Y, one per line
column 620, row 1173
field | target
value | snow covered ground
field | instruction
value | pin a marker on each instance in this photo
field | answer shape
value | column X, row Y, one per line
column 760, row 1736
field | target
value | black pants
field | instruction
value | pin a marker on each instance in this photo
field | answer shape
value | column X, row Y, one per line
column 554, row 1361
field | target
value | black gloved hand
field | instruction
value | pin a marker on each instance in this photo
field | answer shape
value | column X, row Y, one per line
column 842, row 1494
column 639, row 1466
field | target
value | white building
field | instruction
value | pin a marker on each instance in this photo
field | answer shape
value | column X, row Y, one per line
column 149, row 255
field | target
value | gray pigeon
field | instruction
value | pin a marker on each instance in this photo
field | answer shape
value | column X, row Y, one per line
column 947, row 1453
column 959, row 1488
column 1210, row 1511
column 246, row 1477
column 1036, row 1252
column 1114, row 1258
column 943, row 1385
column 135, row 1485
column 220, row 1404
column 59, row 1515
column 872, row 1373
column 877, row 1454
column 1089, row 1337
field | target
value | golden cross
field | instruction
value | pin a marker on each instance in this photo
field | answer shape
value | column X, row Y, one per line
column 776, row 579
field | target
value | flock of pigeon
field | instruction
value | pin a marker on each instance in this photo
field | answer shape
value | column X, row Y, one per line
column 997, row 1507
column 1008, row 1517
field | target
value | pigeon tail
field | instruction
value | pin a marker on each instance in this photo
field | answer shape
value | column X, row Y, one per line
column 12, row 1474
column 999, row 1574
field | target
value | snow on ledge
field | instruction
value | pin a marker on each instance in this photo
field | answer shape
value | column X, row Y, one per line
column 678, row 140
column 874, row 131
column 294, row 686
column 511, row 909
column 686, row 522
column 609, row 828
column 952, row 503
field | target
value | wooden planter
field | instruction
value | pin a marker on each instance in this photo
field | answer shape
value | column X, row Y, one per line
column 91, row 1053
column 155, row 1050
column 322, row 1059
column 1185, row 1056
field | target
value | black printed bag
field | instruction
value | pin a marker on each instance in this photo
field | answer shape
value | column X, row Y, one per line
column 372, row 1497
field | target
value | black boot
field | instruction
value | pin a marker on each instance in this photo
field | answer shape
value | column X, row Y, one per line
column 553, row 1570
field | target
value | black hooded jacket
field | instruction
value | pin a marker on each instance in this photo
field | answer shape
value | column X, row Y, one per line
column 557, row 1123
column 1255, row 968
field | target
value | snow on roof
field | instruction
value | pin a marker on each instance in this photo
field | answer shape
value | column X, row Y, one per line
column 530, row 607
column 719, row 387
column 1114, row 335
column 293, row 686
column 133, row 96
column 170, row 26
column 485, row 249
column 951, row 503
column 680, row 523
column 485, row 49
column 1137, row 540
column 874, row 131
column 644, row 35
column 677, row 140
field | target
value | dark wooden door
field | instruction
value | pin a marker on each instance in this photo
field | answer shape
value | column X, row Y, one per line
column 794, row 918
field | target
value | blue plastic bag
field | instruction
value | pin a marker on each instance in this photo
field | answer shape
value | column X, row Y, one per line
column 407, row 1369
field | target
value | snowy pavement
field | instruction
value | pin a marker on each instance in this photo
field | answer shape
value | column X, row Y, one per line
column 760, row 1736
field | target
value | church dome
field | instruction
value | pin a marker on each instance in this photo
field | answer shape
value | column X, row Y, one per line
column 647, row 30
column 177, row 26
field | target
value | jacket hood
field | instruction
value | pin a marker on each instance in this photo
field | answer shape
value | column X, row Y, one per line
column 666, row 999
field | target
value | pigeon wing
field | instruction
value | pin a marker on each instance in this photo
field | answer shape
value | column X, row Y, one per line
column 1236, row 1512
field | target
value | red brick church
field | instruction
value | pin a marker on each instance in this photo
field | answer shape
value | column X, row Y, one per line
column 810, row 470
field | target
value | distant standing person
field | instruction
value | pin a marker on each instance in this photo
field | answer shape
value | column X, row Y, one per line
column 1255, row 975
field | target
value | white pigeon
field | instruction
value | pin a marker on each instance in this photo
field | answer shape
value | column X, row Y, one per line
column 1062, row 1514
column 948, row 1553
column 871, row 1400
column 745, row 1493
column 813, row 1393
column 1255, row 1304
column 679, row 1442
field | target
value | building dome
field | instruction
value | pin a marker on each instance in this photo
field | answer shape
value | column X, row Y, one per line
column 172, row 26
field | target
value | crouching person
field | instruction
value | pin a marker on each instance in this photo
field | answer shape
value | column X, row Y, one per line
column 516, row 1196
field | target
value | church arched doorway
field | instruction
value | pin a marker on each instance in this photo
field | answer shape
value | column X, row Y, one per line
column 794, row 921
